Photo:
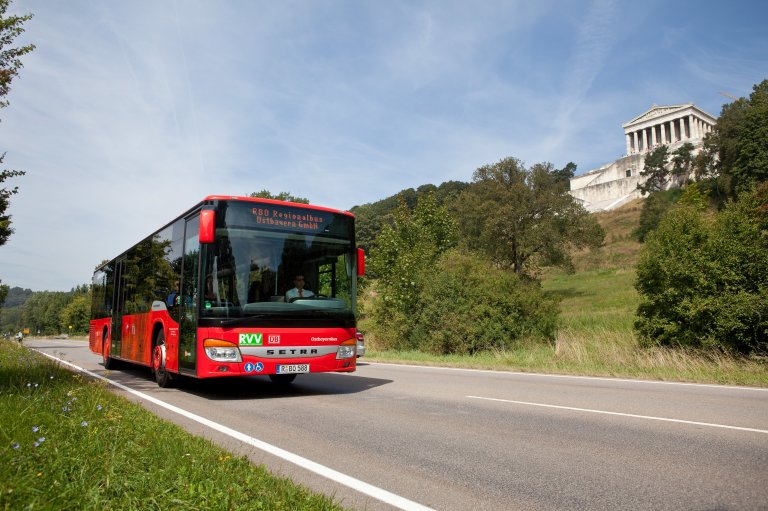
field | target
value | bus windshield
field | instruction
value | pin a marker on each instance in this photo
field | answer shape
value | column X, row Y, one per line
column 257, row 271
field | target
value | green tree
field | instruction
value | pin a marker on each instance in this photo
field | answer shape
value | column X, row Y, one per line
column 564, row 175
column 469, row 305
column 76, row 314
column 10, row 64
column 654, row 208
column 737, row 148
column 683, row 162
column 703, row 277
column 655, row 171
column 522, row 218
column 371, row 218
column 402, row 258
column 282, row 196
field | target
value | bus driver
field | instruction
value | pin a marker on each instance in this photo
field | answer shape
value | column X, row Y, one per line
column 298, row 291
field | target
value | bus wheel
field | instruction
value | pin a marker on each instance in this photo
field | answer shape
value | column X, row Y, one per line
column 109, row 362
column 162, row 376
column 282, row 379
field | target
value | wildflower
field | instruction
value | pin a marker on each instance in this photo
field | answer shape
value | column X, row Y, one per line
column 83, row 424
column 39, row 474
column 35, row 429
column 98, row 407
column 41, row 439
column 37, row 385
column 15, row 445
column 29, row 385
column 36, row 444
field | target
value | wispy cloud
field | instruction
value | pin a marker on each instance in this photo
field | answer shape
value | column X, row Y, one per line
column 129, row 112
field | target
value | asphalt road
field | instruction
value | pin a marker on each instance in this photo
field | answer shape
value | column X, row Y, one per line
column 460, row 439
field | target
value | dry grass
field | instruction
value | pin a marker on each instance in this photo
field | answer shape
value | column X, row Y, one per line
column 596, row 336
column 620, row 249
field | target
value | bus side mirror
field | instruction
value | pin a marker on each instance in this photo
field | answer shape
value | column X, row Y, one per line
column 207, row 226
column 360, row 262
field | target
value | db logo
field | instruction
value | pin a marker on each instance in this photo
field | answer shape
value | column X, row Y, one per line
column 273, row 339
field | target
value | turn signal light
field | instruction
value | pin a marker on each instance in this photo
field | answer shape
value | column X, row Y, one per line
column 222, row 351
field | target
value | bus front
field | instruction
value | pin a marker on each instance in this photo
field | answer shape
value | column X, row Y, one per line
column 277, row 286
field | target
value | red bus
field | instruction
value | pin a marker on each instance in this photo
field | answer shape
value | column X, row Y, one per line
column 235, row 286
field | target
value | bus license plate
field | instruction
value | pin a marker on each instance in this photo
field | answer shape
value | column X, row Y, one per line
column 292, row 368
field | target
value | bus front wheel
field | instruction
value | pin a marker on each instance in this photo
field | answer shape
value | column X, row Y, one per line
column 162, row 376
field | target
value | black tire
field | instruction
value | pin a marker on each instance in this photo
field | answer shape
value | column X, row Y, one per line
column 109, row 362
column 163, row 378
column 282, row 379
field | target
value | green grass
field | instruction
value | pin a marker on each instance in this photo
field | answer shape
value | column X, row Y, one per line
column 596, row 338
column 68, row 443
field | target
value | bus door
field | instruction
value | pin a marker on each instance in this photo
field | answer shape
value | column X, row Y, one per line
column 117, row 314
column 190, row 291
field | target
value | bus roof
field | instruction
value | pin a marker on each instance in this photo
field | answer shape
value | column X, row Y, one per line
column 277, row 202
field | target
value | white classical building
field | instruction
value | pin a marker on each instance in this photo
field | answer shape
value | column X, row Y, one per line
column 615, row 183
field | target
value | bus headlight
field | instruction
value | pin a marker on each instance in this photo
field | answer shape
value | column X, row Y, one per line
column 222, row 351
column 347, row 349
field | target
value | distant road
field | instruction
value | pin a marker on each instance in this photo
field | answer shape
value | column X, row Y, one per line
column 464, row 439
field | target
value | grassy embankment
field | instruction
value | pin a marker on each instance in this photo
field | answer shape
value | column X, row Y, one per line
column 596, row 337
column 67, row 443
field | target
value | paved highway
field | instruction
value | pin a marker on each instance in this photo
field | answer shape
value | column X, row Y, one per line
column 461, row 439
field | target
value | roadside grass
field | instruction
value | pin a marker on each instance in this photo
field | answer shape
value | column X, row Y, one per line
column 69, row 443
column 596, row 338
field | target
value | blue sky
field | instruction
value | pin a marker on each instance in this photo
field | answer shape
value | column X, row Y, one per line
column 130, row 112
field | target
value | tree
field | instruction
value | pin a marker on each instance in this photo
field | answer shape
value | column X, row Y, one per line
column 737, row 148
column 683, row 162
column 371, row 218
column 703, row 278
column 469, row 305
column 565, row 174
column 655, row 171
column 654, row 208
column 76, row 314
column 283, row 196
column 403, row 258
column 10, row 63
column 521, row 218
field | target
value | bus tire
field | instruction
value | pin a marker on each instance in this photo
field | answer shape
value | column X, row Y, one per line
column 163, row 378
column 109, row 362
column 282, row 379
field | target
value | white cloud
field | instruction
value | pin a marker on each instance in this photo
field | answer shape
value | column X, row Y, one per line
column 127, row 113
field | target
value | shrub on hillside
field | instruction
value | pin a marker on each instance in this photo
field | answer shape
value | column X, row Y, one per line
column 654, row 208
column 703, row 278
column 468, row 305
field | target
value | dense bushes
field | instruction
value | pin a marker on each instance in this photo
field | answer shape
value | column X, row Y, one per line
column 466, row 305
column 704, row 277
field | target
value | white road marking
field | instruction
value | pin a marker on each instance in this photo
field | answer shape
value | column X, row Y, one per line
column 570, row 376
column 327, row 472
column 604, row 412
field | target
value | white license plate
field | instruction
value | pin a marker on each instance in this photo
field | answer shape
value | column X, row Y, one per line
column 292, row 368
